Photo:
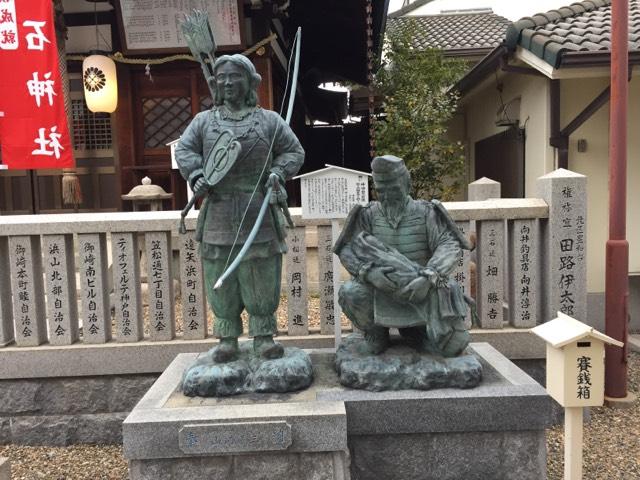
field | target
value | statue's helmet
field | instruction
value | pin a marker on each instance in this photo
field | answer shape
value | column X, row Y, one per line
column 389, row 168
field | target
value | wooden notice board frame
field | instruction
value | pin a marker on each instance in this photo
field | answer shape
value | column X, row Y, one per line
column 174, row 48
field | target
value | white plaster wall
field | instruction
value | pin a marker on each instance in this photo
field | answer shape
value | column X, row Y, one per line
column 594, row 163
column 479, row 109
column 480, row 114
column 575, row 95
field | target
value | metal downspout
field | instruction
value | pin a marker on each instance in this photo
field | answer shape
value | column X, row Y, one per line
column 617, row 249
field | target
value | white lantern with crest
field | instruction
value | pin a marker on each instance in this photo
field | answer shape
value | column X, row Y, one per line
column 99, row 76
column 100, row 83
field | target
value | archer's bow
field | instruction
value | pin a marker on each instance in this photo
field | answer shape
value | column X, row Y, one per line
column 273, row 179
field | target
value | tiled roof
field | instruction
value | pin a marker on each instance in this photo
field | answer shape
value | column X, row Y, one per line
column 453, row 32
column 580, row 27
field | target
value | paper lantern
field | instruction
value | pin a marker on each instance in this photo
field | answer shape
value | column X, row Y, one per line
column 100, row 83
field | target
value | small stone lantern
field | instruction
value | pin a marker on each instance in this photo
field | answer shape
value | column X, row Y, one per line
column 147, row 194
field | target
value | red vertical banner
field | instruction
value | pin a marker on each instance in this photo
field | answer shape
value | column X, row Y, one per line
column 33, row 125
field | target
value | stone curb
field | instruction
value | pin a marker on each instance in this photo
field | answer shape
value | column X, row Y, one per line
column 5, row 469
column 82, row 360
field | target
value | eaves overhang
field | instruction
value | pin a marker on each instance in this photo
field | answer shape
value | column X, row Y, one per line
column 483, row 68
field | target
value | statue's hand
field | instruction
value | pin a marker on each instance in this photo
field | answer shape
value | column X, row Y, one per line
column 377, row 276
column 201, row 187
column 415, row 291
column 279, row 196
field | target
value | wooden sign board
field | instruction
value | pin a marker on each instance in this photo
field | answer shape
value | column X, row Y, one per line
column 575, row 353
column 331, row 192
column 153, row 26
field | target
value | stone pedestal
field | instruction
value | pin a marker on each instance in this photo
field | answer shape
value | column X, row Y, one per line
column 330, row 432
column 246, row 437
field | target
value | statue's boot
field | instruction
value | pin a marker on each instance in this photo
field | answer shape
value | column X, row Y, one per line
column 450, row 345
column 265, row 347
column 226, row 351
column 377, row 340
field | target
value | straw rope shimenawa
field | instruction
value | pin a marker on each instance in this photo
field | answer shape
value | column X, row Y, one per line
column 119, row 57
column 71, row 190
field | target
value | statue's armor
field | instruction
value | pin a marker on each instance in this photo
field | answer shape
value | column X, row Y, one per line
column 227, row 200
column 246, row 172
column 409, row 238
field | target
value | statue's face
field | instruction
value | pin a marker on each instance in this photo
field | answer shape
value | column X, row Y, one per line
column 392, row 192
column 233, row 83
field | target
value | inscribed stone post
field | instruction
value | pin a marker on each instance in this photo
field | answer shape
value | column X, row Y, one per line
column 160, row 280
column 564, row 244
column 337, row 270
column 25, row 262
column 462, row 273
column 126, row 286
column 94, row 287
column 490, row 291
column 483, row 189
column 194, row 305
column 325, row 280
column 524, row 264
column 296, row 275
column 6, row 314
column 60, row 274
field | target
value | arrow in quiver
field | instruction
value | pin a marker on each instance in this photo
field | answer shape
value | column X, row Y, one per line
column 199, row 36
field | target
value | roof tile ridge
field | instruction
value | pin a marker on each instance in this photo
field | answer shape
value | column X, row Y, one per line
column 514, row 30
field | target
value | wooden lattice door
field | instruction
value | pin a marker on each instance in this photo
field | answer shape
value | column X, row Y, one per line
column 153, row 110
column 163, row 104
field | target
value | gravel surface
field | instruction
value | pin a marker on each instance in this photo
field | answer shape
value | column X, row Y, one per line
column 611, row 450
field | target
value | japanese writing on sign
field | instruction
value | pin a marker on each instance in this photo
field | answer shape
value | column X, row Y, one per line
column 124, row 288
column 297, row 308
column 36, row 133
column 524, row 269
column 24, row 320
column 325, row 280
column 56, row 283
column 584, row 378
column 332, row 192
column 571, row 243
column 491, row 270
column 89, row 267
column 155, row 24
column 190, row 267
column 157, row 284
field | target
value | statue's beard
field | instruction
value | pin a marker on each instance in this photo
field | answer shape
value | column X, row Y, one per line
column 393, row 210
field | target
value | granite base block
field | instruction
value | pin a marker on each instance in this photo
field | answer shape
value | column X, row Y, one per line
column 67, row 411
column 69, row 396
column 65, row 430
column 449, row 456
column 307, row 466
column 248, row 436
column 327, row 431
